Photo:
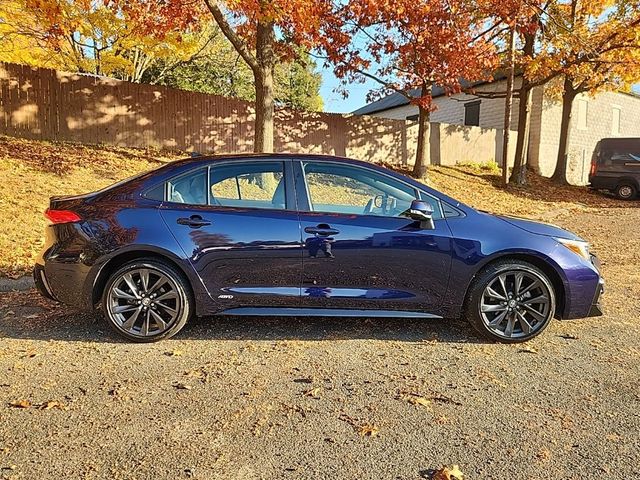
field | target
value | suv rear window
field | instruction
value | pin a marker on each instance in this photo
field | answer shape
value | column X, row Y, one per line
column 620, row 151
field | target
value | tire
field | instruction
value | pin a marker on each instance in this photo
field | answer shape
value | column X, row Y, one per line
column 147, row 300
column 525, row 314
column 626, row 191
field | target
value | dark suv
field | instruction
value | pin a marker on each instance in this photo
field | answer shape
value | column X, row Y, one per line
column 615, row 166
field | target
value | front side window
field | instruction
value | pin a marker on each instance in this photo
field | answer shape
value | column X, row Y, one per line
column 347, row 189
column 248, row 185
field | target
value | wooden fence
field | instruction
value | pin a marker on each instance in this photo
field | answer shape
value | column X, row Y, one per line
column 46, row 104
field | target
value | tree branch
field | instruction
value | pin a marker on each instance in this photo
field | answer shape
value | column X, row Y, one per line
column 232, row 36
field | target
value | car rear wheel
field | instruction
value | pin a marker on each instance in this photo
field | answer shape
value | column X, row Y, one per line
column 510, row 302
column 626, row 191
column 147, row 300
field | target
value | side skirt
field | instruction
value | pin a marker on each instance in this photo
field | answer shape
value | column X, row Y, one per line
column 322, row 312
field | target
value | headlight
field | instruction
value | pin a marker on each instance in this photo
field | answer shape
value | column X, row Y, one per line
column 577, row 247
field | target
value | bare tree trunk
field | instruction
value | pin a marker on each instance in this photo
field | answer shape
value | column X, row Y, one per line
column 507, row 107
column 568, row 95
column 519, row 173
column 263, row 76
column 423, row 153
column 262, row 67
column 264, row 112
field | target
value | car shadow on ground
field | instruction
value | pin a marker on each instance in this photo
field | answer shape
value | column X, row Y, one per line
column 64, row 324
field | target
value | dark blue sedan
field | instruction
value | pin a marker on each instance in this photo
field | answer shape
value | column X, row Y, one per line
column 305, row 235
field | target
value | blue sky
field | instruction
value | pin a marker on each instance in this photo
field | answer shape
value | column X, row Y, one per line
column 333, row 102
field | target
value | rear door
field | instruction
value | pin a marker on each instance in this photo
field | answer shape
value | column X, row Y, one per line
column 237, row 222
column 360, row 251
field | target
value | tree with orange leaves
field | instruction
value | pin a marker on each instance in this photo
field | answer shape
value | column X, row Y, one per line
column 265, row 32
column 409, row 45
column 94, row 35
column 595, row 46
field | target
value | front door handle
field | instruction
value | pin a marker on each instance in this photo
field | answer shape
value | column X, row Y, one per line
column 323, row 230
column 194, row 221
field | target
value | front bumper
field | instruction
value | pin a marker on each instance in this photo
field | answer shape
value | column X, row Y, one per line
column 596, row 307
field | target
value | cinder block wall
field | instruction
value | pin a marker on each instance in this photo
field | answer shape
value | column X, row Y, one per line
column 583, row 139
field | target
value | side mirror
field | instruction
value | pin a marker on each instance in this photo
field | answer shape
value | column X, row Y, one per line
column 422, row 212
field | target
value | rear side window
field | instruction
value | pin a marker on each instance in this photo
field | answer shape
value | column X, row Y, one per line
column 621, row 152
column 190, row 188
column 248, row 185
column 244, row 185
column 622, row 156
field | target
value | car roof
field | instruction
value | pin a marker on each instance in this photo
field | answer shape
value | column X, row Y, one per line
column 620, row 141
column 267, row 156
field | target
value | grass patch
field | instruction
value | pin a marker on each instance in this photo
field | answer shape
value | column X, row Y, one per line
column 32, row 171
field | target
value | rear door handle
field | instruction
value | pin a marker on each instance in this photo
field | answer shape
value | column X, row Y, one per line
column 322, row 231
column 194, row 221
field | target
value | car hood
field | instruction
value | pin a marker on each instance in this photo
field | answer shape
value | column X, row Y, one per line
column 539, row 228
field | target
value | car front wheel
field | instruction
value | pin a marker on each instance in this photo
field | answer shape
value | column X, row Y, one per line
column 147, row 300
column 510, row 302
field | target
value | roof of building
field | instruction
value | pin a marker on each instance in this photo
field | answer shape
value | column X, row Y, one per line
column 396, row 99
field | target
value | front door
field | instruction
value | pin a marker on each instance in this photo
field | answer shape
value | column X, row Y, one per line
column 360, row 251
column 238, row 224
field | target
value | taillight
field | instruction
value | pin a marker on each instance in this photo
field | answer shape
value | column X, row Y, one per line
column 594, row 168
column 61, row 216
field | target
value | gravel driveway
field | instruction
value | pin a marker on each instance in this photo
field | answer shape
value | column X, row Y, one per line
column 329, row 398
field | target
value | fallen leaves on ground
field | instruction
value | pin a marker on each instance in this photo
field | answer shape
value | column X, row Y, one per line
column 65, row 168
column 174, row 353
column 49, row 405
column 416, row 399
column 20, row 404
column 448, row 473
column 182, row 386
column 32, row 171
column 198, row 373
column 312, row 392
column 528, row 349
column 53, row 404
column 369, row 430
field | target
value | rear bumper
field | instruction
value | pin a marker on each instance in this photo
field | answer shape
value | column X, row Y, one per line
column 603, row 183
column 42, row 284
column 61, row 271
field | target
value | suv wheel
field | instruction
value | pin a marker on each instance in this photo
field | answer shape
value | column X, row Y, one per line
column 626, row 191
column 510, row 301
column 147, row 300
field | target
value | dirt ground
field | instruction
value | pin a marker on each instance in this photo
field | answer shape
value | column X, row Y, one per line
column 329, row 398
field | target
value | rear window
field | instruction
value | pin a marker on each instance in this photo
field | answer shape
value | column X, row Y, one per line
column 620, row 151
